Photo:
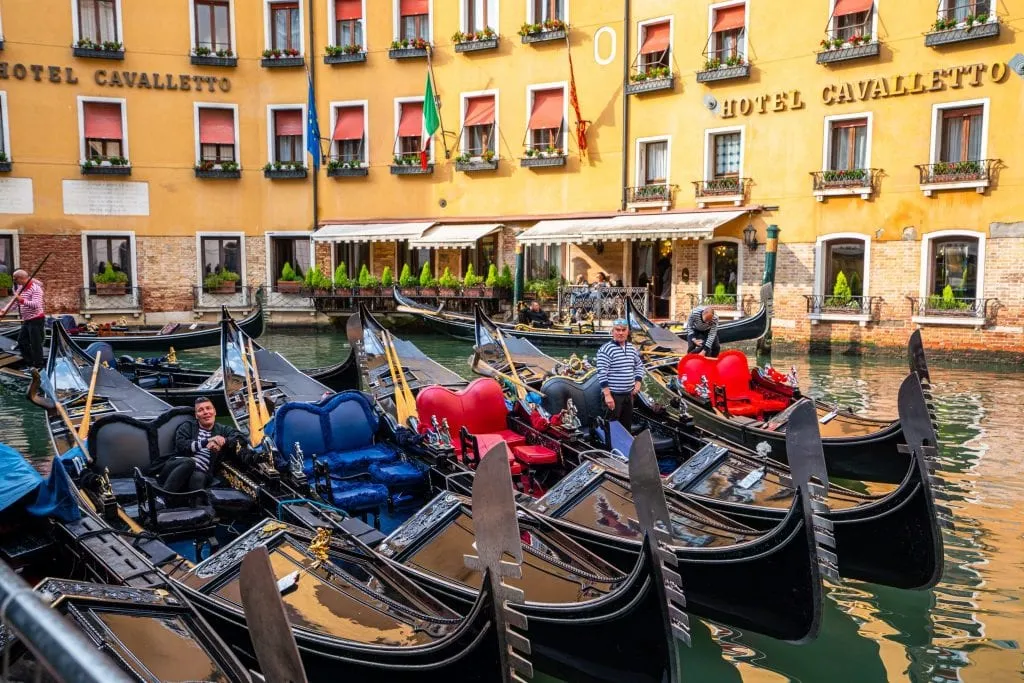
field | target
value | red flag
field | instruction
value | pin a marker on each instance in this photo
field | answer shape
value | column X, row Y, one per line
column 581, row 124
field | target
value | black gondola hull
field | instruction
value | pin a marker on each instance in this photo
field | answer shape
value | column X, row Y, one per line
column 253, row 326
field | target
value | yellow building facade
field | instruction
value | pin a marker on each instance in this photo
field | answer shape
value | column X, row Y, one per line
column 169, row 140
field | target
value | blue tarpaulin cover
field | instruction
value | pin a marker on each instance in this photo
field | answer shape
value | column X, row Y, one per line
column 41, row 497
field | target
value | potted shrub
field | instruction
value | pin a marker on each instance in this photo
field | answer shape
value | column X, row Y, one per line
column 842, row 296
column 428, row 285
column 407, row 281
column 228, row 282
column 341, row 278
column 472, row 284
column 289, row 282
column 386, row 278
column 491, row 281
column 111, row 282
column 6, row 284
column 448, row 284
column 368, row 283
column 504, row 281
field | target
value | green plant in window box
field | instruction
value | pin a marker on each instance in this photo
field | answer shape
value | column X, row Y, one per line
column 463, row 158
column 458, row 37
column 492, row 276
column 341, row 278
column 428, row 284
column 638, row 77
column 3, row 158
column 111, row 45
column 488, row 155
column 721, row 297
column 86, row 44
column 225, row 53
column 735, row 60
column 842, row 295
column 448, row 284
column 229, row 166
column 387, row 279
column 202, row 51
column 712, row 64
column 290, row 282
column 407, row 281
column 334, row 50
column 364, row 276
column 6, row 284
column 352, row 49
column 118, row 161
column 505, row 279
column 472, row 284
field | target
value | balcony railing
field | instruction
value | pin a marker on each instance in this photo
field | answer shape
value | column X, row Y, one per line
column 277, row 300
column 848, row 42
column 346, row 300
column 959, row 23
column 938, row 306
column 828, row 304
column 205, row 297
column 655, row 193
column 721, row 190
column 601, row 304
column 111, row 299
column 649, row 78
column 845, row 182
column 726, row 303
column 976, row 174
column 719, row 66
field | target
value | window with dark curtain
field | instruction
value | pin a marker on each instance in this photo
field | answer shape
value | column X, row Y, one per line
column 103, row 249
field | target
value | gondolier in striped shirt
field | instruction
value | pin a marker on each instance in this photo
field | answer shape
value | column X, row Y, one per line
column 703, row 332
column 29, row 301
column 620, row 372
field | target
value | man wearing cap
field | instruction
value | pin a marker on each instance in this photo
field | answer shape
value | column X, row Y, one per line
column 199, row 445
column 620, row 372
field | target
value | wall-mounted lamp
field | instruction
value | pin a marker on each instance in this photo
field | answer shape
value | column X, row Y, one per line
column 750, row 237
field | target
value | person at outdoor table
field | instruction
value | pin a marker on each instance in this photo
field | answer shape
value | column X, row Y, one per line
column 620, row 371
column 29, row 301
column 535, row 316
column 703, row 332
column 199, row 445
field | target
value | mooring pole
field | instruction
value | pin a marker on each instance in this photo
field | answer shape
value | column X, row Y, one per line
column 519, row 281
column 771, row 247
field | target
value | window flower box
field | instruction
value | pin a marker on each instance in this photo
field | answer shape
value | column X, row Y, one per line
column 209, row 170
column 852, row 181
column 973, row 27
column 89, row 50
column 339, row 169
column 409, row 164
column 349, row 54
column 112, row 166
column 837, row 50
column 204, row 56
column 409, row 291
column 955, row 175
column 717, row 70
column 475, row 42
column 289, row 286
column 279, row 171
column 542, row 158
column 552, row 29
column 409, row 49
column 651, row 80
column 5, row 164
column 468, row 164
column 111, row 288
column 282, row 59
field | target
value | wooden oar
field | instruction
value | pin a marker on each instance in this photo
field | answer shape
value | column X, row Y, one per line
column 266, row 620
column 403, row 406
column 83, row 426
column 260, row 403
column 489, row 370
column 410, row 400
column 14, row 299
column 255, row 428
column 519, row 384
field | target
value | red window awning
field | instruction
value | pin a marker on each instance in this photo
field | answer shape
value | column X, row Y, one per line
column 656, row 38
column 547, row 109
column 844, row 7
column 410, row 8
column 410, row 124
column 730, row 18
column 480, row 111
column 217, row 126
column 103, row 121
column 350, row 124
column 288, row 122
column 348, row 9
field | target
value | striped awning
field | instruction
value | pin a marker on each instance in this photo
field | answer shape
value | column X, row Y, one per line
column 697, row 225
column 462, row 236
column 371, row 232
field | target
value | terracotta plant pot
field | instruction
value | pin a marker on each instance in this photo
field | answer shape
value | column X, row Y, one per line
column 289, row 286
column 111, row 288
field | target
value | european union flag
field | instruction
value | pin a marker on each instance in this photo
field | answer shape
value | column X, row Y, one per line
column 312, row 126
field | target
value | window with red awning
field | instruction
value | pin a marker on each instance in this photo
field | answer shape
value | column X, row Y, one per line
column 479, row 126
column 288, row 136
column 410, row 128
column 104, row 132
column 654, row 46
column 349, row 131
column 546, row 119
column 727, row 34
column 216, row 134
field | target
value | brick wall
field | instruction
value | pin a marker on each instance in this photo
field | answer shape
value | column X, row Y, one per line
column 384, row 254
column 322, row 256
column 256, row 262
column 61, row 275
column 448, row 258
column 167, row 272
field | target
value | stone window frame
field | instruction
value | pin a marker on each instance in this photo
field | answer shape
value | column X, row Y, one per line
column 821, row 287
column 123, row 103
column 195, row 120
column 6, row 124
column 464, row 98
column 242, row 265
column 343, row 104
column 272, row 139
column 396, row 21
column 640, row 151
column 194, row 30
column 132, row 249
column 15, row 236
column 76, row 24
column 927, row 263
column 709, row 148
column 531, row 91
column 704, row 265
column 826, row 142
column 397, row 144
column 268, row 41
column 333, row 29
column 935, row 144
column 268, row 239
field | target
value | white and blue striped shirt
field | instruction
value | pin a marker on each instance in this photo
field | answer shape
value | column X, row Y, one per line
column 201, row 449
column 697, row 326
column 619, row 367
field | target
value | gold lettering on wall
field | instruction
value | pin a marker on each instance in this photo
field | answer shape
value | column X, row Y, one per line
column 954, row 78
column 137, row 80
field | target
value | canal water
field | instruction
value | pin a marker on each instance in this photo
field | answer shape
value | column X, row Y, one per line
column 968, row 628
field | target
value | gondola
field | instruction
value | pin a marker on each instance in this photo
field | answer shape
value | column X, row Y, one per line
column 856, row 447
column 571, row 596
column 745, row 484
column 352, row 614
column 461, row 326
column 732, row 572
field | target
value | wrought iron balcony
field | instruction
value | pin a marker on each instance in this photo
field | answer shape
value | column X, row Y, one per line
column 657, row 193
column 826, row 306
column 649, row 79
column 279, row 300
column 345, row 58
column 844, row 51
column 954, row 309
column 112, row 298
column 948, row 30
column 721, row 190
column 848, row 181
column 239, row 296
column 718, row 67
column 952, row 175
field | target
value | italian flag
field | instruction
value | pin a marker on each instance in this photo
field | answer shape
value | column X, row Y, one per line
column 431, row 122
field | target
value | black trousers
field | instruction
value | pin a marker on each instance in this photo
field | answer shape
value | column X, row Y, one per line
column 697, row 343
column 180, row 474
column 623, row 411
column 30, row 342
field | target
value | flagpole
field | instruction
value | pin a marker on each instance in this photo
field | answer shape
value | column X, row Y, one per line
column 310, row 72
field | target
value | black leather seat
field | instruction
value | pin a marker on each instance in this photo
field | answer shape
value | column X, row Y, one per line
column 230, row 501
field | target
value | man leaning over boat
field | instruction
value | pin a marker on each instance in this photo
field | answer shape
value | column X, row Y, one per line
column 199, row 445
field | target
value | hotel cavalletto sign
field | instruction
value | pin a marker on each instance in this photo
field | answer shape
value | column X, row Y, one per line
column 139, row 80
column 881, row 87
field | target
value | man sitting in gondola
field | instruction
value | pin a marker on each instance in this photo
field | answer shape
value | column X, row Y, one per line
column 199, row 445
column 535, row 316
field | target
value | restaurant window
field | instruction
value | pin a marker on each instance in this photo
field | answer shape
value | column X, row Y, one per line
column 102, row 250
column 543, row 260
column 726, row 151
column 655, row 45
column 414, row 20
column 7, row 263
column 349, row 139
column 288, row 129
column 285, row 26
column 724, row 270
column 727, row 41
column 547, row 10
column 961, row 134
column 848, row 144
column 954, row 263
column 353, row 255
column 104, row 131
column 97, row 21
column 410, row 127
column 478, row 126
column 480, row 14
column 547, row 119
column 348, row 23
column 654, row 162
column 294, row 251
column 844, row 256
column 217, row 135
column 221, row 254
column 484, row 254
column 852, row 18
column 213, row 25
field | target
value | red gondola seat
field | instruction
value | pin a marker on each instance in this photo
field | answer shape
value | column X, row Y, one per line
column 729, row 384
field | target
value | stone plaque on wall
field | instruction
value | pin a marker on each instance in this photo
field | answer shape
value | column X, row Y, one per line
column 98, row 198
column 16, row 195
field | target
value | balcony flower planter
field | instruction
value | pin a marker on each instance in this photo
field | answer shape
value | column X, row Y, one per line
column 106, row 169
column 846, row 53
column 228, row 287
column 345, row 58
column 723, row 73
column 5, row 166
column 411, row 169
column 542, row 161
column 477, row 45
column 110, row 288
column 285, row 173
column 409, row 291
column 214, row 60
column 542, row 35
column 644, row 85
column 720, row 189
column 289, row 286
column 347, row 172
column 407, row 53
column 428, row 291
column 478, row 292
column 89, row 50
column 283, row 62
column 474, row 165
column 215, row 173
column 961, row 34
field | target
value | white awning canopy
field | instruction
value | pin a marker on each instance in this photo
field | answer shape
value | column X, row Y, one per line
column 697, row 225
column 453, row 236
column 371, row 232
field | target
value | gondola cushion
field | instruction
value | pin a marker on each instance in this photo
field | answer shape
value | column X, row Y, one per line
column 230, row 501
column 731, row 373
column 586, row 397
column 344, row 463
column 124, row 490
column 486, row 442
column 480, row 408
column 534, row 455
column 399, row 474
column 353, row 496
column 181, row 519
column 120, row 443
